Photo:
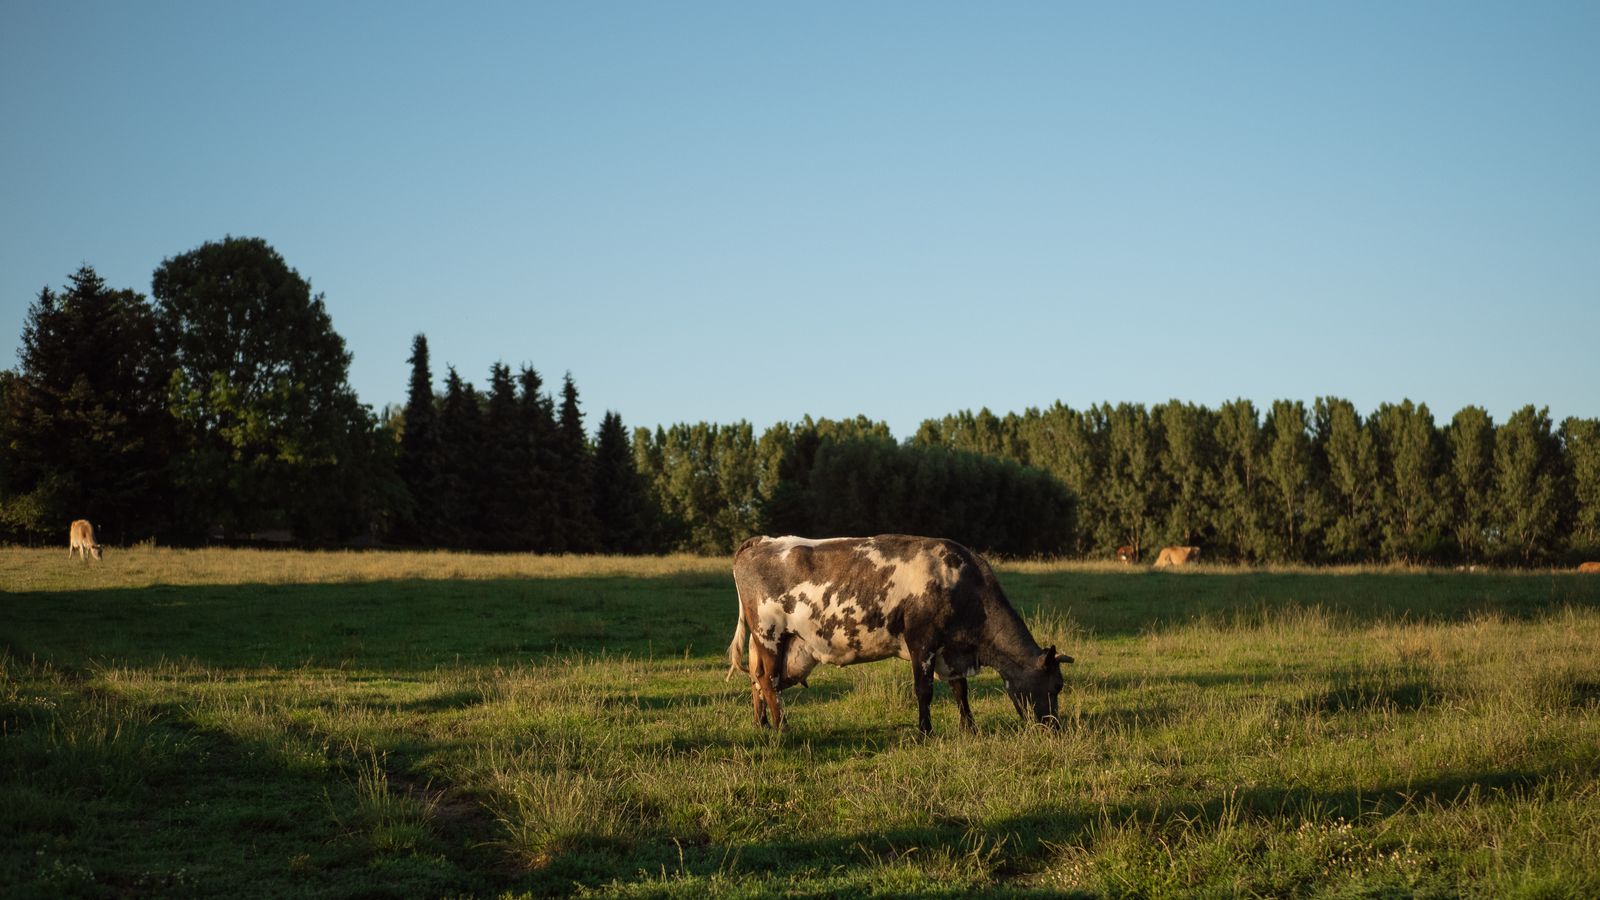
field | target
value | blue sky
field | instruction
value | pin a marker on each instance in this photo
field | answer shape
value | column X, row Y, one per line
column 759, row 211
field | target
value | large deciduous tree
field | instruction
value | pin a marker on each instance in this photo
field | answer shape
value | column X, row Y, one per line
column 261, row 393
column 1470, row 439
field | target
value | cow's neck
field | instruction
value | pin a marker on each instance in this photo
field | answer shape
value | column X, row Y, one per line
column 1010, row 649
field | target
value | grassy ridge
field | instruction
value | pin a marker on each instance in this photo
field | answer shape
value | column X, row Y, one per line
column 332, row 724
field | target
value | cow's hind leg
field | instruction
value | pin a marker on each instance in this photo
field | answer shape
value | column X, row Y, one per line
column 765, row 669
column 958, row 687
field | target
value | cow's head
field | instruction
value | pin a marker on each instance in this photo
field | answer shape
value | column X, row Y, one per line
column 1039, row 686
column 94, row 550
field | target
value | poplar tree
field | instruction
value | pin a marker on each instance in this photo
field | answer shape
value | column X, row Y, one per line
column 1296, row 506
column 1134, row 488
column 1470, row 441
column 1411, row 514
column 1188, row 455
column 1350, row 463
column 1580, row 439
column 1528, row 487
column 1239, row 479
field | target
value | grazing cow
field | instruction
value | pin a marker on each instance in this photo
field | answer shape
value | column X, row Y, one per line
column 1592, row 568
column 1127, row 554
column 852, row 600
column 1177, row 556
column 80, row 540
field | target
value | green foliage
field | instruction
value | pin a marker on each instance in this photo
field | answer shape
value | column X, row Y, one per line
column 1412, row 488
column 1580, row 438
column 1529, row 487
column 1295, row 509
column 83, row 431
column 1241, row 482
column 266, row 416
column 1472, row 472
column 621, row 505
column 1350, row 462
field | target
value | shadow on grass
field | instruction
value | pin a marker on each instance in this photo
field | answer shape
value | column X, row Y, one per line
column 419, row 625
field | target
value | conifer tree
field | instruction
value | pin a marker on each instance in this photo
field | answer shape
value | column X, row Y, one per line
column 504, row 477
column 421, row 462
column 620, row 504
column 543, row 463
column 86, row 431
column 1239, row 480
column 575, row 476
column 1188, row 455
column 461, row 425
column 1134, row 488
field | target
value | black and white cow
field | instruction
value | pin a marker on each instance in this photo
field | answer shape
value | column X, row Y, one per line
column 852, row 600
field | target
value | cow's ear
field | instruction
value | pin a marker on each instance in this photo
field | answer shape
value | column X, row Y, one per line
column 1047, row 657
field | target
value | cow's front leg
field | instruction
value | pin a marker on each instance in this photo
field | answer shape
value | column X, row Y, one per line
column 958, row 687
column 922, row 680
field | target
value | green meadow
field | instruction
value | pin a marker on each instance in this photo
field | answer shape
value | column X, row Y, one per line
column 230, row 722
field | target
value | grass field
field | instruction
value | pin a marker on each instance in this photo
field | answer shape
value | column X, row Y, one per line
column 203, row 723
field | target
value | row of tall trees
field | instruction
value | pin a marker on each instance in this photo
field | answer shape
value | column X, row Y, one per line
column 1312, row 484
column 507, row 469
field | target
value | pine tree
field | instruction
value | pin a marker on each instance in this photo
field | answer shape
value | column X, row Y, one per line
column 504, row 477
column 620, row 504
column 86, row 432
column 461, row 425
column 575, row 475
column 543, row 462
column 421, row 461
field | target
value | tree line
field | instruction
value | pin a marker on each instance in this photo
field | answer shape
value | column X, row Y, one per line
column 1309, row 484
column 220, row 408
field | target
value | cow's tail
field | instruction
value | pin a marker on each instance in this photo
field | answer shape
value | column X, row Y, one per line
column 735, row 651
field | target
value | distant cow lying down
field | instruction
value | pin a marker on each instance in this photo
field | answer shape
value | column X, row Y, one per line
column 1127, row 554
column 849, row 600
column 1590, row 567
column 80, row 540
column 1177, row 556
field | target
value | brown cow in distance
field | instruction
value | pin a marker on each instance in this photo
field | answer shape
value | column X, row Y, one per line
column 80, row 540
column 1592, row 568
column 1127, row 554
column 1177, row 556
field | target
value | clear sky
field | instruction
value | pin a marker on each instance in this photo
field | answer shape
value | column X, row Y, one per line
column 759, row 210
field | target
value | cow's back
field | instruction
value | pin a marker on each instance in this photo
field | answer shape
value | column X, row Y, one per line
column 847, row 600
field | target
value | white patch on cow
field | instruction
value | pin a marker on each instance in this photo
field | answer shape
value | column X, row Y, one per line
column 806, row 624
